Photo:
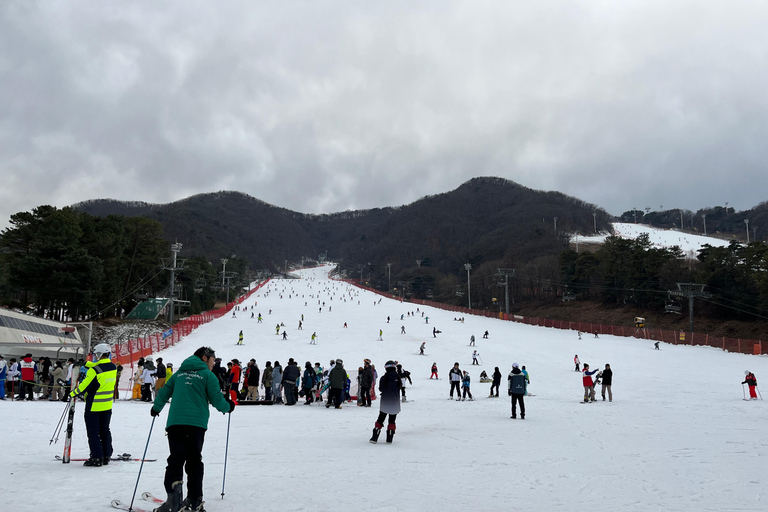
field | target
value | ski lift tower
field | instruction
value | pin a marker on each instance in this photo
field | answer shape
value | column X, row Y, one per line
column 174, row 266
column 692, row 291
column 505, row 273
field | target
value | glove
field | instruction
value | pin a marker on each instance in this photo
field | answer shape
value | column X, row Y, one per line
column 153, row 412
column 509, row 392
column 231, row 406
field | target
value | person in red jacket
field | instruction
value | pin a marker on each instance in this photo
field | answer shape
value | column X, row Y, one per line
column 751, row 381
column 234, row 379
column 28, row 369
column 589, row 386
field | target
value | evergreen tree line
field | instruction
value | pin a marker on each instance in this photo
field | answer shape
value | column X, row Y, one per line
column 68, row 265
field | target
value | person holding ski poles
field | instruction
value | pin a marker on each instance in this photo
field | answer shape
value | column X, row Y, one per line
column 455, row 377
column 389, row 402
column 751, row 382
column 98, row 386
column 193, row 387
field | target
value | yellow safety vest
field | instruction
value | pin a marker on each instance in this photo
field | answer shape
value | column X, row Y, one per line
column 98, row 386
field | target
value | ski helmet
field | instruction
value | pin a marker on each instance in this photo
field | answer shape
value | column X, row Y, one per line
column 101, row 350
column 746, row 372
column 339, row 361
column 389, row 364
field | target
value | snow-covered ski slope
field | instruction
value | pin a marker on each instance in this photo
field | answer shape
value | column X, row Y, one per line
column 677, row 436
column 662, row 238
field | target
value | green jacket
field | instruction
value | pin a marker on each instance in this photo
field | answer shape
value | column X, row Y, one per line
column 192, row 388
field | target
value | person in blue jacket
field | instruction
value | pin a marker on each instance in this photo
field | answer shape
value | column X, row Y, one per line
column 517, row 388
column 308, row 382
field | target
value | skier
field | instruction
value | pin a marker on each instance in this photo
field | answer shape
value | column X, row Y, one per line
column 485, row 335
column 28, row 368
column 313, row 340
column 366, row 381
column 576, row 362
column 656, row 346
column 527, row 379
column 98, row 387
column 252, row 378
column 472, row 341
column 751, row 382
column 266, row 381
column 147, row 379
column 434, row 371
column 337, row 378
column 455, row 377
column 421, row 348
column 277, row 378
column 285, row 335
column 3, row 376
column 517, row 389
column 465, row 381
column 291, row 374
column 381, row 335
column 192, row 388
column 496, row 382
column 389, row 389
column 589, row 386
column 404, row 375
column 607, row 380
column 240, row 338
column 308, row 382
column 300, row 325
column 402, row 329
column 259, row 318
column 474, row 358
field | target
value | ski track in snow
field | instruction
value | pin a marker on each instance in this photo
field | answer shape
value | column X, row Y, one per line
column 677, row 436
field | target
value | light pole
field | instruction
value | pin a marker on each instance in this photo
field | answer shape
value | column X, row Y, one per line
column 175, row 249
column 224, row 270
column 389, row 277
column 704, row 218
column 682, row 225
column 594, row 220
column 555, row 225
column 468, row 266
column 746, row 221
column 418, row 263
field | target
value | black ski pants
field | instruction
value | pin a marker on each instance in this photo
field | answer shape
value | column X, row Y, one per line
column 336, row 395
column 495, row 385
column 99, row 435
column 456, row 385
column 517, row 397
column 383, row 416
column 186, row 446
column 365, row 392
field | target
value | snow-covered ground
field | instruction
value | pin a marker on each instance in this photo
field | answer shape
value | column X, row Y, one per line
column 666, row 238
column 677, row 436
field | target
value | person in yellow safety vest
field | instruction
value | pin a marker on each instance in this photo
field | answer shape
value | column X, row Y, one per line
column 98, row 389
column 168, row 371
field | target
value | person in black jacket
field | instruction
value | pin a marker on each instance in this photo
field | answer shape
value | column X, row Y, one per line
column 159, row 375
column 291, row 374
column 496, row 382
column 366, row 382
column 389, row 402
column 517, row 387
column 455, row 377
column 219, row 372
column 254, row 380
column 607, row 381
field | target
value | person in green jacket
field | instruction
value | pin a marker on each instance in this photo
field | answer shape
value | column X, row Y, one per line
column 193, row 387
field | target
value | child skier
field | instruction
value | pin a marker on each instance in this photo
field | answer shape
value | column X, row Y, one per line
column 434, row 371
column 465, row 381
column 751, row 382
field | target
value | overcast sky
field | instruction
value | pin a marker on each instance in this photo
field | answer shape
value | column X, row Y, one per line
column 321, row 106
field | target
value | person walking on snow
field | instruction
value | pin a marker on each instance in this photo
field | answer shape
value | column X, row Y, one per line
column 465, row 381
column 192, row 388
column 607, row 381
column 421, row 348
column 517, row 390
column 576, row 362
column 366, row 382
column 389, row 402
column 434, row 371
column 751, row 382
column 589, row 386
column 240, row 338
column 455, row 376
column 313, row 340
column 474, row 357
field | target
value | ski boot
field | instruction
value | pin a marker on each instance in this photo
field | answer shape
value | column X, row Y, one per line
column 195, row 505
column 94, row 462
column 390, row 432
column 376, row 431
column 174, row 501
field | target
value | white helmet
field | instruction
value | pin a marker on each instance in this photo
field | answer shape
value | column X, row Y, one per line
column 746, row 372
column 102, row 350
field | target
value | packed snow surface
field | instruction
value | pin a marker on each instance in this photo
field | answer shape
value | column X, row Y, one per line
column 677, row 436
column 661, row 238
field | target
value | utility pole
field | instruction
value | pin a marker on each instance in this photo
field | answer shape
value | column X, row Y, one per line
column 468, row 266
column 746, row 221
column 361, row 275
column 690, row 290
column 594, row 221
column 704, row 218
column 389, row 277
column 175, row 249
column 555, row 225
column 506, row 272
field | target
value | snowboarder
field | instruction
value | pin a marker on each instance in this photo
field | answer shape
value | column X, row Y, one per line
column 98, row 387
column 656, row 346
column 751, row 382
column 421, row 348
column 313, row 340
column 607, row 375
column 434, row 371
column 240, row 338
column 455, row 377
column 192, row 388
column 485, row 335
column 517, row 390
column 381, row 335
column 465, row 381
column 474, row 358
column 389, row 403
column 576, row 362
column 589, row 386
column 496, row 382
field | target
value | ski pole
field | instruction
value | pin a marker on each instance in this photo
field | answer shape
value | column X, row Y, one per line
column 758, row 392
column 226, row 452
column 130, row 507
column 59, row 425
column 743, row 392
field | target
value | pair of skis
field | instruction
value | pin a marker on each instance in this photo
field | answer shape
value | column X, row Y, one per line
column 124, row 457
column 146, row 496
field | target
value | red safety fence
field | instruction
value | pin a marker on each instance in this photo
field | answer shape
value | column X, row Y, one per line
column 740, row 345
column 130, row 351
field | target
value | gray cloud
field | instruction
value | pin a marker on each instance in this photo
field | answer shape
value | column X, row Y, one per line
column 328, row 106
